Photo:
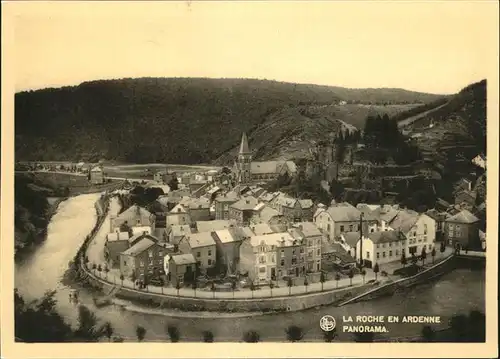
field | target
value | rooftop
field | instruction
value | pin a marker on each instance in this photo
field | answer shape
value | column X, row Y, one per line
column 245, row 203
column 215, row 225
column 118, row 236
column 226, row 236
column 181, row 259
column 463, row 217
column 386, row 236
column 139, row 247
column 274, row 239
column 197, row 240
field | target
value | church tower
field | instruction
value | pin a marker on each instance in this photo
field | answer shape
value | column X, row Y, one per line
column 244, row 162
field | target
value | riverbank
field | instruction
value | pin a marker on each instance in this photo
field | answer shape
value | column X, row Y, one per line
column 189, row 301
column 456, row 292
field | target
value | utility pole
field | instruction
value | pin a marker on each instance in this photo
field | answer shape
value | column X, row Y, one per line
column 361, row 240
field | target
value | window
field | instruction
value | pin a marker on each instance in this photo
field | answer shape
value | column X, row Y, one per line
column 282, row 263
column 262, row 259
column 125, row 263
column 150, row 253
column 198, row 254
column 341, row 229
column 397, row 252
column 378, row 245
column 390, row 253
column 383, row 254
column 367, row 255
column 372, row 230
column 425, row 228
column 160, row 253
column 282, row 252
column 318, row 252
column 209, row 252
column 301, row 249
column 378, row 255
column 390, row 244
column 350, row 228
column 317, row 267
column 262, row 269
column 141, row 263
column 328, row 227
column 273, row 259
column 209, row 262
column 414, row 234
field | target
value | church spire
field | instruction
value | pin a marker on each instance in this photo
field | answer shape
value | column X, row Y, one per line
column 244, row 149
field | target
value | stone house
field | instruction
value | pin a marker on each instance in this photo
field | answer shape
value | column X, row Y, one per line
column 180, row 268
column 222, row 204
column 116, row 243
column 203, row 248
column 144, row 260
column 463, row 229
column 243, row 210
column 134, row 216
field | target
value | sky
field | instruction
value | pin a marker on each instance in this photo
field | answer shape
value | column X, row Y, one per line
column 437, row 47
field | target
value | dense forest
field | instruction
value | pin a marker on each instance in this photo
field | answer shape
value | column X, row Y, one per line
column 32, row 210
column 180, row 120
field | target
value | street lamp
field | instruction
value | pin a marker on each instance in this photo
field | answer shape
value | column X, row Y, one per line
column 361, row 240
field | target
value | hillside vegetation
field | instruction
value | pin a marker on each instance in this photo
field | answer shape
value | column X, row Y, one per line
column 188, row 121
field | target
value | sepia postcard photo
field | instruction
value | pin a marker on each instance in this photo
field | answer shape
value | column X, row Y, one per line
column 308, row 176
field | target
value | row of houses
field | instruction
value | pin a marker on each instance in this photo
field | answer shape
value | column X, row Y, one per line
column 142, row 250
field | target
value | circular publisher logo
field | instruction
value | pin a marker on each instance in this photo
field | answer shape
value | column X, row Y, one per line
column 327, row 323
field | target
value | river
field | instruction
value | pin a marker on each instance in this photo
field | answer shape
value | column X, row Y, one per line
column 457, row 292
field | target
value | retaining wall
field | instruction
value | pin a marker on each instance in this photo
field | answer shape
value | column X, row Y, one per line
column 277, row 304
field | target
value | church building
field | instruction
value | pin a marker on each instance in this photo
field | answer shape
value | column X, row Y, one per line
column 248, row 171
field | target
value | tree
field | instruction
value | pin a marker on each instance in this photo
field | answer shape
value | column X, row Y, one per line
column 337, row 278
column 458, row 326
column 251, row 337
column 178, row 287
column 403, row 259
column 364, row 337
column 376, row 269
column 213, row 289
column 42, row 315
column 414, row 259
column 133, row 277
column 108, row 330
column 322, row 279
column 195, row 286
column 140, row 332
column 363, row 273
column 329, row 336
column 306, row 283
column 88, row 328
column 423, row 255
column 174, row 333
column 433, row 254
column 351, row 275
column 428, row 333
column 122, row 278
column 294, row 333
column 252, row 288
column 233, row 286
column 442, row 247
column 271, row 286
column 208, row 336
column 289, row 283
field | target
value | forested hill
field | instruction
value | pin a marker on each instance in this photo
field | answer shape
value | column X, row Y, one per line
column 177, row 120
